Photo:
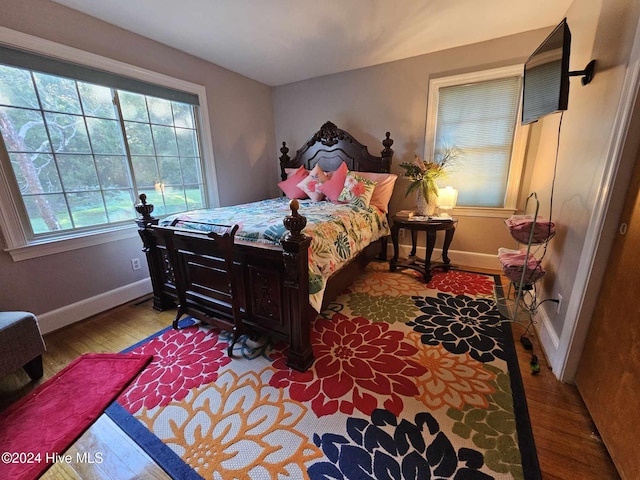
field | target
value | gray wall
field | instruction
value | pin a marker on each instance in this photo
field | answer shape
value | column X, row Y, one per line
column 241, row 115
column 393, row 97
column 604, row 31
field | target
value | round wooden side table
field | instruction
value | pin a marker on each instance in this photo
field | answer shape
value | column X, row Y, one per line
column 430, row 226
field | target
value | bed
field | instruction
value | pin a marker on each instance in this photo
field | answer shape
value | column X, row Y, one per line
column 282, row 279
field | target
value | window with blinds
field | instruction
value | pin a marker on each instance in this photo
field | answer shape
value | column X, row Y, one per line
column 478, row 115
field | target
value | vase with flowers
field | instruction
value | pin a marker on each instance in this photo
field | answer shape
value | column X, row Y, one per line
column 423, row 176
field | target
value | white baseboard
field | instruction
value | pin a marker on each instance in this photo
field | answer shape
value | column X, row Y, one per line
column 472, row 259
column 547, row 336
column 457, row 257
column 75, row 312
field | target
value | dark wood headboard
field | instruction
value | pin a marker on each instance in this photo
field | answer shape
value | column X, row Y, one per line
column 330, row 146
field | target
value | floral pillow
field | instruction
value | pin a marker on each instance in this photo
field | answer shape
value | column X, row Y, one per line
column 357, row 190
column 384, row 188
column 311, row 183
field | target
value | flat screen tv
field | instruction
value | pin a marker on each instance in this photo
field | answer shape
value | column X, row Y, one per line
column 546, row 76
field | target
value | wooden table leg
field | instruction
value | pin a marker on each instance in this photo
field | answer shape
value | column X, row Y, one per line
column 395, row 229
column 431, row 242
column 448, row 237
column 414, row 242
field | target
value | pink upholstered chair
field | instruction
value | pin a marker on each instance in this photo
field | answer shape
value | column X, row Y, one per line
column 21, row 344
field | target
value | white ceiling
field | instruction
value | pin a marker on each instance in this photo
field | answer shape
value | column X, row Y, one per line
column 283, row 41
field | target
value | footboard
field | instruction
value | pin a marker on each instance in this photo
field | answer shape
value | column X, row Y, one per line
column 273, row 284
column 273, row 281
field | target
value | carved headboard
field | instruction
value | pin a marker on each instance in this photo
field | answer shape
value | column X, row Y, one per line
column 330, row 146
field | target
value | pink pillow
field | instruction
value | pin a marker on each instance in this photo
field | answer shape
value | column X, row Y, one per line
column 384, row 188
column 291, row 171
column 311, row 183
column 332, row 188
column 289, row 186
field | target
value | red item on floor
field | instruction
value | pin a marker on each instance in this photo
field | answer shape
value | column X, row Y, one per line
column 37, row 430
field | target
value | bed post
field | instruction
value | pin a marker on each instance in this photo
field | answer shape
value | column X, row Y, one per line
column 284, row 159
column 387, row 155
column 154, row 256
column 387, row 152
column 299, row 313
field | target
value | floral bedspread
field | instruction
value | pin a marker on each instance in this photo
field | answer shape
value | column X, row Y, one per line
column 338, row 232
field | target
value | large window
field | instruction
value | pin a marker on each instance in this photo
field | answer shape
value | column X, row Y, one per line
column 79, row 145
column 81, row 153
column 478, row 115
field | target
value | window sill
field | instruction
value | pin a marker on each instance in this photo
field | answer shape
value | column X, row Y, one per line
column 483, row 212
column 50, row 247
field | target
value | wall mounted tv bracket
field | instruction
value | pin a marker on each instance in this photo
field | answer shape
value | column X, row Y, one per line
column 587, row 73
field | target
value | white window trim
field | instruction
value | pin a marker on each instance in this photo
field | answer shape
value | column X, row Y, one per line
column 519, row 141
column 18, row 244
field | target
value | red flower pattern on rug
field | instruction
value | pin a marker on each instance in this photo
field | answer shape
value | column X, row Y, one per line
column 462, row 283
column 360, row 365
column 182, row 360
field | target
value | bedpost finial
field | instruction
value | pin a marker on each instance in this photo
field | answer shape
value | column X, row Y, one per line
column 144, row 209
column 387, row 142
column 284, row 158
column 295, row 222
column 294, row 205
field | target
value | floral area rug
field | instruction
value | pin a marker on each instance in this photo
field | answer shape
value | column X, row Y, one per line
column 410, row 381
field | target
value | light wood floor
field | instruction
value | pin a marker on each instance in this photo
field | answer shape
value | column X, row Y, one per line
column 567, row 444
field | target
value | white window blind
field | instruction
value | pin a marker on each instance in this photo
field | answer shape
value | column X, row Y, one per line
column 477, row 113
column 479, row 119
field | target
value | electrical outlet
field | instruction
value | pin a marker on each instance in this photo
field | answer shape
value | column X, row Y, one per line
column 559, row 304
column 135, row 264
column 402, row 233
